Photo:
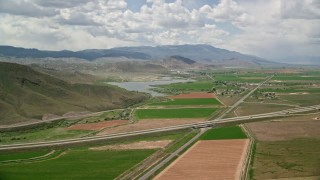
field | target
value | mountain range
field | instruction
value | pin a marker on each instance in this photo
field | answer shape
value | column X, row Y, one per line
column 199, row 53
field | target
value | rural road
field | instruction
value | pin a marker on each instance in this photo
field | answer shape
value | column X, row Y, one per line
column 176, row 153
column 170, row 128
column 21, row 125
column 242, row 99
column 171, row 156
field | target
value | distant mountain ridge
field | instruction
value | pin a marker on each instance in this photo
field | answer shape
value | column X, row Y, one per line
column 199, row 52
column 85, row 54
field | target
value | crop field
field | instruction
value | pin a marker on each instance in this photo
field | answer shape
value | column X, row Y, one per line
column 304, row 99
column 89, row 162
column 291, row 77
column 193, row 95
column 190, row 86
column 291, row 90
column 196, row 101
column 250, row 108
column 287, row 159
column 77, row 164
column 219, row 159
column 233, row 132
column 250, row 78
column 286, row 149
column 174, row 113
column 5, row 156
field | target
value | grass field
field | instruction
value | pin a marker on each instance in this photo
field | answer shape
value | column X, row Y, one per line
column 303, row 100
column 196, row 101
column 4, row 156
column 291, row 90
column 287, row 159
column 233, row 132
column 174, row 113
column 77, row 164
column 289, row 148
column 246, row 109
column 291, row 77
column 250, row 78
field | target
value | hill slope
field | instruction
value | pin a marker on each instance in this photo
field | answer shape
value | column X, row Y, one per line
column 26, row 93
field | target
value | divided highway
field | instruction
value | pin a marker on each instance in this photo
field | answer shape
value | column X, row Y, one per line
column 170, row 128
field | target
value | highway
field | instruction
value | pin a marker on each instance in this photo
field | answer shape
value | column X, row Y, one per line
column 96, row 138
column 243, row 98
column 154, row 169
column 151, row 171
column 239, row 119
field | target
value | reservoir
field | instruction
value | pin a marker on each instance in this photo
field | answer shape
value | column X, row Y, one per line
column 144, row 86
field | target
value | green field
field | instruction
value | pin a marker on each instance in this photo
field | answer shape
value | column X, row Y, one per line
column 250, row 78
column 5, row 156
column 233, row 132
column 174, row 113
column 292, row 77
column 195, row 86
column 291, row 90
column 77, row 164
column 196, row 101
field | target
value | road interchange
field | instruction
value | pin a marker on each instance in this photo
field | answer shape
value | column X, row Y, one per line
column 211, row 123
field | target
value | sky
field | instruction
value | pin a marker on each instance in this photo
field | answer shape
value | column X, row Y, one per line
column 271, row 29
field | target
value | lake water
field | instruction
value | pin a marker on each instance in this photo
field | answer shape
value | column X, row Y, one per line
column 144, row 86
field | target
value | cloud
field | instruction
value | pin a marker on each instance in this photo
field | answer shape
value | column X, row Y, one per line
column 25, row 8
column 300, row 9
column 269, row 29
column 61, row 3
column 79, row 19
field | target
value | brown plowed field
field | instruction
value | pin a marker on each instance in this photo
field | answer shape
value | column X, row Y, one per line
column 97, row 126
column 149, row 124
column 211, row 159
column 285, row 130
column 194, row 95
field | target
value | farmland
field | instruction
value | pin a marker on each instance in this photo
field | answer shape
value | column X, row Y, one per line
column 190, row 86
column 286, row 149
column 91, row 162
column 277, row 154
column 221, row 159
column 90, row 165
column 21, row 155
column 174, row 113
column 232, row 132
column 287, row 159
column 184, row 102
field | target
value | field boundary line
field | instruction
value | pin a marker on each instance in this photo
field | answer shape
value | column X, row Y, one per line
column 220, row 100
column 246, row 165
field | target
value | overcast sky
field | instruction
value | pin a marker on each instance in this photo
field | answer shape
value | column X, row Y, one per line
column 266, row 28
